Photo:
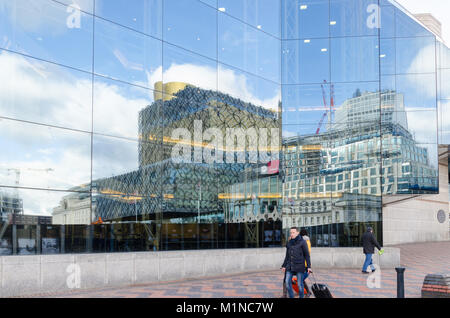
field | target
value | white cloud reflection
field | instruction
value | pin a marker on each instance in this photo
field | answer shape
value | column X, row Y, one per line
column 228, row 81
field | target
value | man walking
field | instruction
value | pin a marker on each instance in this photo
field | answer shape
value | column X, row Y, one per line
column 294, row 262
column 369, row 243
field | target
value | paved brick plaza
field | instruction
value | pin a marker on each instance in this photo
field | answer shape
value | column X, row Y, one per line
column 419, row 260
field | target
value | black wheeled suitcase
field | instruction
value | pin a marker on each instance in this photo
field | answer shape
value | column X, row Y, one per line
column 320, row 290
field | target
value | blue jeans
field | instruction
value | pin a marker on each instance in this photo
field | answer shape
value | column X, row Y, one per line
column 305, row 276
column 300, row 278
column 368, row 262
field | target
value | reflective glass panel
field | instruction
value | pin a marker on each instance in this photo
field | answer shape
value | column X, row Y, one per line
column 250, row 88
column 306, row 61
column 418, row 90
column 212, row 3
column 387, row 14
column 39, row 156
column 83, row 5
column 305, row 19
column 444, row 61
column 6, row 244
column 181, row 66
column 354, row 17
column 248, row 48
column 127, row 55
column 261, row 14
column 346, row 66
column 406, row 26
column 388, row 56
column 201, row 36
column 415, row 55
column 55, row 95
column 47, row 207
column 307, row 104
column 118, row 107
column 444, row 84
column 418, row 124
column 47, row 30
column 143, row 15
column 115, row 166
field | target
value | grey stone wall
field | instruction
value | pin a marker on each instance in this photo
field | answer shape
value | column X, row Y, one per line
column 415, row 220
column 37, row 274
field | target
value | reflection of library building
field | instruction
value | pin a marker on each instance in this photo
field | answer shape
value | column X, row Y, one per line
column 348, row 116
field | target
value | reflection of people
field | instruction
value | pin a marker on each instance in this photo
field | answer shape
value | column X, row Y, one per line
column 334, row 242
column 49, row 245
column 277, row 235
column 268, row 236
column 294, row 262
column 369, row 243
column 29, row 249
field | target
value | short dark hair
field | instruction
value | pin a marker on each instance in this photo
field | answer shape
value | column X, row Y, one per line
column 295, row 228
column 303, row 232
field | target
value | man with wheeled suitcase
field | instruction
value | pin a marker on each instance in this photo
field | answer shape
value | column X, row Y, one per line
column 294, row 262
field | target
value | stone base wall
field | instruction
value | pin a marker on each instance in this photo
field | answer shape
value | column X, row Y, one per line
column 27, row 275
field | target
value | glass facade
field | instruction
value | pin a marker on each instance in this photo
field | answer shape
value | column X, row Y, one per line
column 198, row 124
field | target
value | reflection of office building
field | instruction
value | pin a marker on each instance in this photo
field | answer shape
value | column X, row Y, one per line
column 337, row 178
column 350, row 161
column 74, row 208
column 255, row 197
column 9, row 204
column 371, row 108
column 335, row 220
column 340, row 176
column 20, row 219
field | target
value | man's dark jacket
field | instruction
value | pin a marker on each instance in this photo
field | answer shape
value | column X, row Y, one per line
column 369, row 242
column 296, row 255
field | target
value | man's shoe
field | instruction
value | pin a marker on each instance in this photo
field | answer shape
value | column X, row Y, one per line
column 364, row 272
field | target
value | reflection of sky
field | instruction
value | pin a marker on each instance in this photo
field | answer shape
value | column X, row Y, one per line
column 244, row 61
column 262, row 14
column 39, row 28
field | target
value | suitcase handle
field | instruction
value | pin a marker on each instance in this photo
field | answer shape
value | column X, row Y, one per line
column 312, row 274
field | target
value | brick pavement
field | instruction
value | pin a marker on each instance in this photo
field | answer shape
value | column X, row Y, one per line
column 419, row 260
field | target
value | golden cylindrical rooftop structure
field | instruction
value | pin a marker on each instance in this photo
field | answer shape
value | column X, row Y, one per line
column 166, row 91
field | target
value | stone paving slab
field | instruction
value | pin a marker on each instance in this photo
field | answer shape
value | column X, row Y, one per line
column 419, row 260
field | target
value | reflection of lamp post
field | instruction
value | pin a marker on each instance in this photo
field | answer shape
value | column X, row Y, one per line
column 199, row 198
column 198, row 213
column 135, row 210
